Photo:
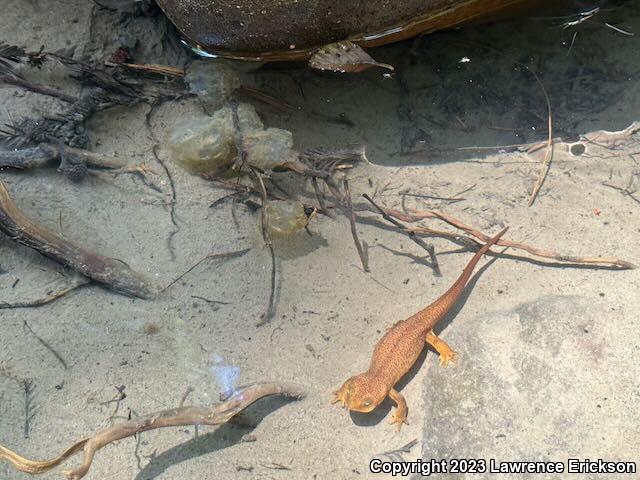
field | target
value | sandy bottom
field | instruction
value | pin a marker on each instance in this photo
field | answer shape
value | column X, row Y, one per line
column 549, row 356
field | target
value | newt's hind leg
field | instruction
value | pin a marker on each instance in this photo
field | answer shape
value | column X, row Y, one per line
column 447, row 354
column 399, row 416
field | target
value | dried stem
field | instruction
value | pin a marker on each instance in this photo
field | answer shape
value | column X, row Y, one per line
column 412, row 235
column 52, row 350
column 271, row 307
column 625, row 191
column 548, row 155
column 180, row 416
column 49, row 296
column 211, row 256
column 352, row 221
column 416, row 216
column 165, row 70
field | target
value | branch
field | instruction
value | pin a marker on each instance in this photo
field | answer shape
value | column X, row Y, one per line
column 174, row 417
column 427, row 246
column 352, row 221
column 111, row 272
column 416, row 216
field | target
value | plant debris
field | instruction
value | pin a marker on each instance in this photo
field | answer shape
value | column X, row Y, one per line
column 174, row 417
column 113, row 273
column 344, row 57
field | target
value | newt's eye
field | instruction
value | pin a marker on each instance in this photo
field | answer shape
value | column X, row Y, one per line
column 367, row 403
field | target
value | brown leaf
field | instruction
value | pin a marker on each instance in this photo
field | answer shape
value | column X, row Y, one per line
column 344, row 57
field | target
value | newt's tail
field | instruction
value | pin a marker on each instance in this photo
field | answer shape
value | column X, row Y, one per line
column 434, row 312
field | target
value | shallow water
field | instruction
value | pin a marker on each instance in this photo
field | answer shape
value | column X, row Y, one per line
column 474, row 86
column 542, row 337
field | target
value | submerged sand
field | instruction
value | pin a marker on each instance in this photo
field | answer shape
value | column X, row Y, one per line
column 548, row 353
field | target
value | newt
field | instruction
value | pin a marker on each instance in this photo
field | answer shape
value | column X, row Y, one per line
column 400, row 347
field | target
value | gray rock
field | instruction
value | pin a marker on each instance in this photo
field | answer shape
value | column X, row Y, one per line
column 529, row 385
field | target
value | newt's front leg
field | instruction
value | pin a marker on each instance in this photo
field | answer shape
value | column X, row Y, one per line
column 446, row 353
column 399, row 416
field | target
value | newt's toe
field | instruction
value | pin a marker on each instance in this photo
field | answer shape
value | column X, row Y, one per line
column 338, row 397
column 398, row 420
column 448, row 358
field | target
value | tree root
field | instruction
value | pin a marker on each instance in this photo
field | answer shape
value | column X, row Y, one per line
column 174, row 417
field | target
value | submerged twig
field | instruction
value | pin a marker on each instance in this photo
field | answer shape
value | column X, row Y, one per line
column 211, row 256
column 46, row 345
column 320, row 197
column 174, row 194
column 416, row 216
column 49, row 296
column 240, row 163
column 625, row 191
column 156, row 69
column 427, row 246
column 352, row 222
column 548, row 155
column 110, row 272
column 271, row 306
column 180, row 416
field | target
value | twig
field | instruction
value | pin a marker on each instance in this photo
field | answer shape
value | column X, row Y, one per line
column 241, row 159
column 208, row 300
column 188, row 392
column 50, row 295
column 352, row 221
column 151, row 68
column 619, row 30
column 433, row 197
column 412, row 235
column 416, row 216
column 118, row 398
column 265, row 98
column 546, row 162
column 180, row 416
column 46, row 345
column 320, row 197
column 34, row 87
column 275, row 466
column 92, row 159
column 239, row 188
column 239, row 163
column 625, row 191
column 174, row 196
column 211, row 256
column 110, row 272
column 271, row 308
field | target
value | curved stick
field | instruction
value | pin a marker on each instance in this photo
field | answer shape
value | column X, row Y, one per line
column 111, row 272
column 174, row 417
column 416, row 216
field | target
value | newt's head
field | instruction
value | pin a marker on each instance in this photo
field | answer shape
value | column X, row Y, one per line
column 361, row 393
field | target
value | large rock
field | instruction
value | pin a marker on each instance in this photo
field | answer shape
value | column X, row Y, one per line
column 531, row 384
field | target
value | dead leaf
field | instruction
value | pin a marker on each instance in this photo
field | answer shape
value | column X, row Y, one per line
column 344, row 57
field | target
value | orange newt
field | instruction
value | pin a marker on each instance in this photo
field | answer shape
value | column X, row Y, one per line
column 401, row 346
